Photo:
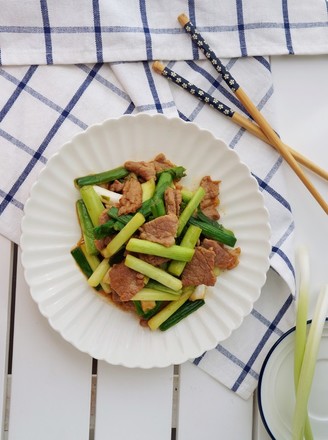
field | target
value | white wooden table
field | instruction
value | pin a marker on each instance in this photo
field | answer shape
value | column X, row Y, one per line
column 50, row 391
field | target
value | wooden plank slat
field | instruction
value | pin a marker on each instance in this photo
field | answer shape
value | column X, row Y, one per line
column 209, row 410
column 133, row 403
column 51, row 380
column 6, row 251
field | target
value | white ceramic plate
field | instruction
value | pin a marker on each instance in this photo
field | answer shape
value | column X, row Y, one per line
column 50, row 230
column 276, row 389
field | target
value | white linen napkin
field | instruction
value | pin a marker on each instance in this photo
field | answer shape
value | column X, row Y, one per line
column 67, row 32
column 44, row 106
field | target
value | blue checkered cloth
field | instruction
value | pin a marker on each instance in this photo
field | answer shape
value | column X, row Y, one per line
column 65, row 69
column 59, row 31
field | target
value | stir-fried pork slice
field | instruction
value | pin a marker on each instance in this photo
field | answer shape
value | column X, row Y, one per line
column 104, row 217
column 146, row 170
column 125, row 282
column 116, row 186
column 160, row 230
column 101, row 243
column 210, row 201
column 153, row 259
column 125, row 305
column 224, row 258
column 131, row 199
column 200, row 269
column 172, row 199
column 161, row 163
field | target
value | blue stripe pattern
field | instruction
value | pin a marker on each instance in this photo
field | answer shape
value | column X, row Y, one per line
column 284, row 257
column 14, row 202
column 40, row 97
column 54, row 129
column 46, row 31
column 287, row 27
column 284, row 19
column 264, row 62
column 20, row 87
column 192, row 16
column 265, row 321
column 17, row 143
column 119, row 92
column 241, row 28
column 264, row 186
column 261, row 344
column 97, row 29
column 130, row 109
column 152, row 87
column 11, row 29
column 146, row 30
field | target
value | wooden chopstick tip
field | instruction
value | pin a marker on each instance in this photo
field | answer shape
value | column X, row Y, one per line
column 183, row 19
column 158, row 67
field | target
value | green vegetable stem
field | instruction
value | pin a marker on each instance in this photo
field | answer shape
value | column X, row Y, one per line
column 190, row 209
column 93, row 203
column 185, row 310
column 301, row 324
column 147, row 294
column 168, row 310
column 189, row 240
column 215, row 231
column 98, row 275
column 153, row 272
column 124, row 235
column 86, row 227
column 105, row 229
column 309, row 363
column 104, row 177
column 174, row 252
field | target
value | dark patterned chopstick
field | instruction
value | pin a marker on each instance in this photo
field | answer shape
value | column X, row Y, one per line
column 197, row 39
column 192, row 89
column 266, row 128
column 239, row 119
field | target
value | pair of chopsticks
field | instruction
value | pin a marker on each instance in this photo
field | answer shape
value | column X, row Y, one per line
column 260, row 128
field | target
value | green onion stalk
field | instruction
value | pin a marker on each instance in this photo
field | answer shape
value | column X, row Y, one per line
column 309, row 364
column 301, row 324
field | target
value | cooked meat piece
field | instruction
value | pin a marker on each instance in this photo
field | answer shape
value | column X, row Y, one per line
column 160, row 230
column 116, row 186
column 102, row 243
column 210, row 201
column 131, row 199
column 125, row 305
column 104, row 217
column 211, row 212
column 224, row 258
column 172, row 199
column 146, row 170
column 153, row 259
column 161, row 163
column 200, row 269
column 125, row 282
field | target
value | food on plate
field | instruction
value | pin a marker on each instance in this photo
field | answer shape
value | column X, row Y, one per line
column 148, row 243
